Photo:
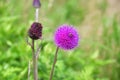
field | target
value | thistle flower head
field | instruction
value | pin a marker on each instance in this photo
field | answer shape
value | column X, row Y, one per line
column 36, row 3
column 35, row 32
column 66, row 37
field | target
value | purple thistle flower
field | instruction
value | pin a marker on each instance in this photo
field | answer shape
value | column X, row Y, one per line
column 35, row 32
column 36, row 3
column 66, row 37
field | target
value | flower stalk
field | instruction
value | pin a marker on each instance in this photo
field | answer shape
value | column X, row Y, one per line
column 35, row 68
column 35, row 33
column 36, row 14
column 53, row 66
column 29, row 70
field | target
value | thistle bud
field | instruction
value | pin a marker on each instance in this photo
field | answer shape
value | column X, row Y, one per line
column 35, row 32
column 36, row 3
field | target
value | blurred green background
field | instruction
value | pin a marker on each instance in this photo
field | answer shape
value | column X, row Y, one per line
column 97, row 56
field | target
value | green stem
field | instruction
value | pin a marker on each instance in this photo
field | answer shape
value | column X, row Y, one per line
column 35, row 68
column 53, row 66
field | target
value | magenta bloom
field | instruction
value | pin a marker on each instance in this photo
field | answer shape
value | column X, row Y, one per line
column 66, row 37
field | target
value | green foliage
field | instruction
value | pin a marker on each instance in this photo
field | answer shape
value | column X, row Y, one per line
column 112, row 42
column 99, row 63
column 103, row 5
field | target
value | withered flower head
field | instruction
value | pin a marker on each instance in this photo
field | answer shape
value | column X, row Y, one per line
column 35, row 32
